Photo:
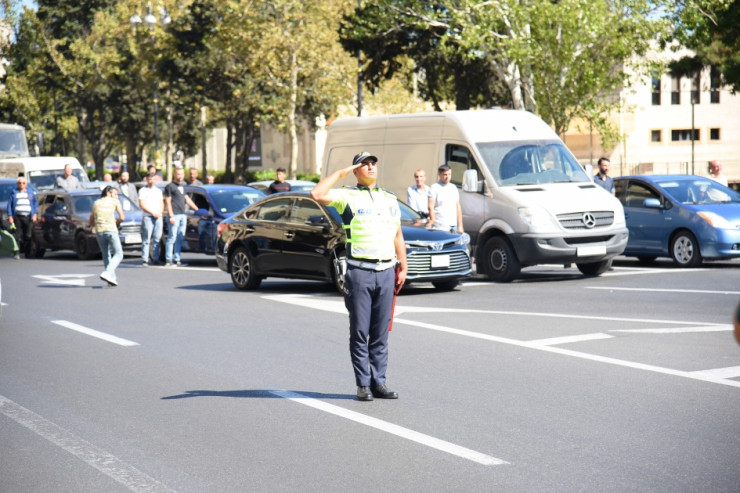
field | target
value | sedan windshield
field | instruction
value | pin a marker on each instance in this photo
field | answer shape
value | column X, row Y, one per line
column 531, row 163
column 699, row 191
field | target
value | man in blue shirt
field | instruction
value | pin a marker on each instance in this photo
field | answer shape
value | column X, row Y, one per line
column 601, row 178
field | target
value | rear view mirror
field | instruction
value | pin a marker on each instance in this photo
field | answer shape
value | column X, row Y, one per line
column 652, row 203
column 470, row 181
column 317, row 221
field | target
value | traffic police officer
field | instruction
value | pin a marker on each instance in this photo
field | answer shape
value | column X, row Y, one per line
column 372, row 222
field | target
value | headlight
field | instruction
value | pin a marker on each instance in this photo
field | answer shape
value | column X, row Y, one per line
column 716, row 220
column 463, row 240
column 537, row 218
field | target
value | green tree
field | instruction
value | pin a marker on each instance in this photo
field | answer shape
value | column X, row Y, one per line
column 711, row 28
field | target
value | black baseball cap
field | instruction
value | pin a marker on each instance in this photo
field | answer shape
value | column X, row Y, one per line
column 362, row 156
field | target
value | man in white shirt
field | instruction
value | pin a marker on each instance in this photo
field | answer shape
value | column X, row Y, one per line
column 715, row 172
column 417, row 196
column 444, row 203
column 151, row 201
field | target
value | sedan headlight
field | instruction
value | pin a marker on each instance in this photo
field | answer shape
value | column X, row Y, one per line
column 716, row 220
column 463, row 240
column 537, row 218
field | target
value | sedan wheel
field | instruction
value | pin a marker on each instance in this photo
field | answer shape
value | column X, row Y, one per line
column 82, row 248
column 685, row 250
column 241, row 270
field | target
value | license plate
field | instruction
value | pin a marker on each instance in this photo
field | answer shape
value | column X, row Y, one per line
column 128, row 239
column 440, row 261
column 591, row 250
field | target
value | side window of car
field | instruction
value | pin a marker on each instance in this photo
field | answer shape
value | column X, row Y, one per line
column 275, row 210
column 619, row 189
column 200, row 200
column 303, row 209
column 637, row 193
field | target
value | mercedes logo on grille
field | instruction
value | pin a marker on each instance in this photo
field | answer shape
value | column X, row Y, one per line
column 588, row 220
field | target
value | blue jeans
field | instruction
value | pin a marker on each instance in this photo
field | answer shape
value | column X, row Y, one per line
column 110, row 246
column 150, row 229
column 175, row 237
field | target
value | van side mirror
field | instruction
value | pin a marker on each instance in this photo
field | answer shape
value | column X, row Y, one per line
column 470, row 181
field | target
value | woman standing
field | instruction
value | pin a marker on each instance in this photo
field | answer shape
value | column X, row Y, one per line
column 103, row 219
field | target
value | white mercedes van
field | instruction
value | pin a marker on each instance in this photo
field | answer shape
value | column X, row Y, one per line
column 42, row 171
column 525, row 198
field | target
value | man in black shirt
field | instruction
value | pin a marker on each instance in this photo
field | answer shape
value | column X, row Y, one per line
column 279, row 185
column 175, row 202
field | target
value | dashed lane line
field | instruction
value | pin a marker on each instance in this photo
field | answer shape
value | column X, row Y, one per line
column 95, row 333
column 391, row 428
column 108, row 464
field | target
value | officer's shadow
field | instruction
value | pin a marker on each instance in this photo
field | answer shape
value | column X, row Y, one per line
column 259, row 394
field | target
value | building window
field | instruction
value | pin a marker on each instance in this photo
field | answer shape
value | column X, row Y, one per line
column 695, row 89
column 713, row 134
column 684, row 134
column 656, row 136
column 714, row 83
column 675, row 90
column 656, row 90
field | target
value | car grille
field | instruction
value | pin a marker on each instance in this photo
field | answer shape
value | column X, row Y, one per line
column 586, row 220
column 129, row 228
column 420, row 263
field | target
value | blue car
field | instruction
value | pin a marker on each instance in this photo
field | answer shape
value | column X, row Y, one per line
column 685, row 217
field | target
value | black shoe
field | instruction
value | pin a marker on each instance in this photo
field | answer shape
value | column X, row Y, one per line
column 364, row 394
column 382, row 392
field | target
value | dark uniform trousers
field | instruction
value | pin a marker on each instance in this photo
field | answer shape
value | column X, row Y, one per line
column 23, row 231
column 369, row 303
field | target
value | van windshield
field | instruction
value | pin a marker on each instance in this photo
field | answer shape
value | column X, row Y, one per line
column 531, row 163
column 47, row 179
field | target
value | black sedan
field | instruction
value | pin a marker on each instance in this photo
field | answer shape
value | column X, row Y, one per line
column 63, row 223
column 291, row 235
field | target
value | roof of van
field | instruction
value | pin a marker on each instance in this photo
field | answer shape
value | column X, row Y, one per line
column 44, row 162
column 476, row 125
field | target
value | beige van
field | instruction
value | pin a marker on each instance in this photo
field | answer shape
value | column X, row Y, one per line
column 41, row 171
column 525, row 199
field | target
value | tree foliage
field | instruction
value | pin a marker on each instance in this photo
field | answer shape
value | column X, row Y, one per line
column 711, row 28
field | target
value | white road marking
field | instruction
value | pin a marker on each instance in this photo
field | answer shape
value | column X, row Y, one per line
column 92, row 332
column 570, row 339
column 660, row 290
column 334, row 306
column 64, row 279
column 400, row 431
column 678, row 330
column 731, row 372
column 638, row 272
column 108, row 464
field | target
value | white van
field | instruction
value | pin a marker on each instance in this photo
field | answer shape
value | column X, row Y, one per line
column 42, row 171
column 525, row 199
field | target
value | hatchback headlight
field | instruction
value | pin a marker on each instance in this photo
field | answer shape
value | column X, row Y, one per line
column 715, row 220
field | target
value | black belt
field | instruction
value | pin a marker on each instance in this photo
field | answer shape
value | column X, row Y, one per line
column 371, row 260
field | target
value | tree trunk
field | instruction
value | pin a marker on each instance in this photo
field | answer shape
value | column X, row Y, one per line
column 292, row 115
column 228, row 175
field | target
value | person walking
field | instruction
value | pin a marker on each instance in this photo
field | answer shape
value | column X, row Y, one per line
column 103, row 219
column 445, row 212
column 417, row 195
column 23, row 208
column 602, row 178
column 176, row 202
column 372, row 222
column 151, row 201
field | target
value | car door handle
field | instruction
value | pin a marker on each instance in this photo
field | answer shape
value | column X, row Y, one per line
column 290, row 235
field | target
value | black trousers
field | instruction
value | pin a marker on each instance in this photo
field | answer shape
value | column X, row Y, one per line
column 23, row 231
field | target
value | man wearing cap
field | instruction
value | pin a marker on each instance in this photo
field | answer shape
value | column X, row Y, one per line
column 372, row 223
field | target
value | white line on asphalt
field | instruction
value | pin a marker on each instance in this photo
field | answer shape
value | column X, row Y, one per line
column 731, row 372
column 400, row 431
column 328, row 305
column 92, row 332
column 659, row 290
column 570, row 339
column 650, row 271
column 64, row 279
column 678, row 330
column 108, row 464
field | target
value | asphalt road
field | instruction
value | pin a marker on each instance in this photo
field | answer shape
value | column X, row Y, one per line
column 175, row 381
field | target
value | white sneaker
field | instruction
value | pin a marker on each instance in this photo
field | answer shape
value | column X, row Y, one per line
column 108, row 278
